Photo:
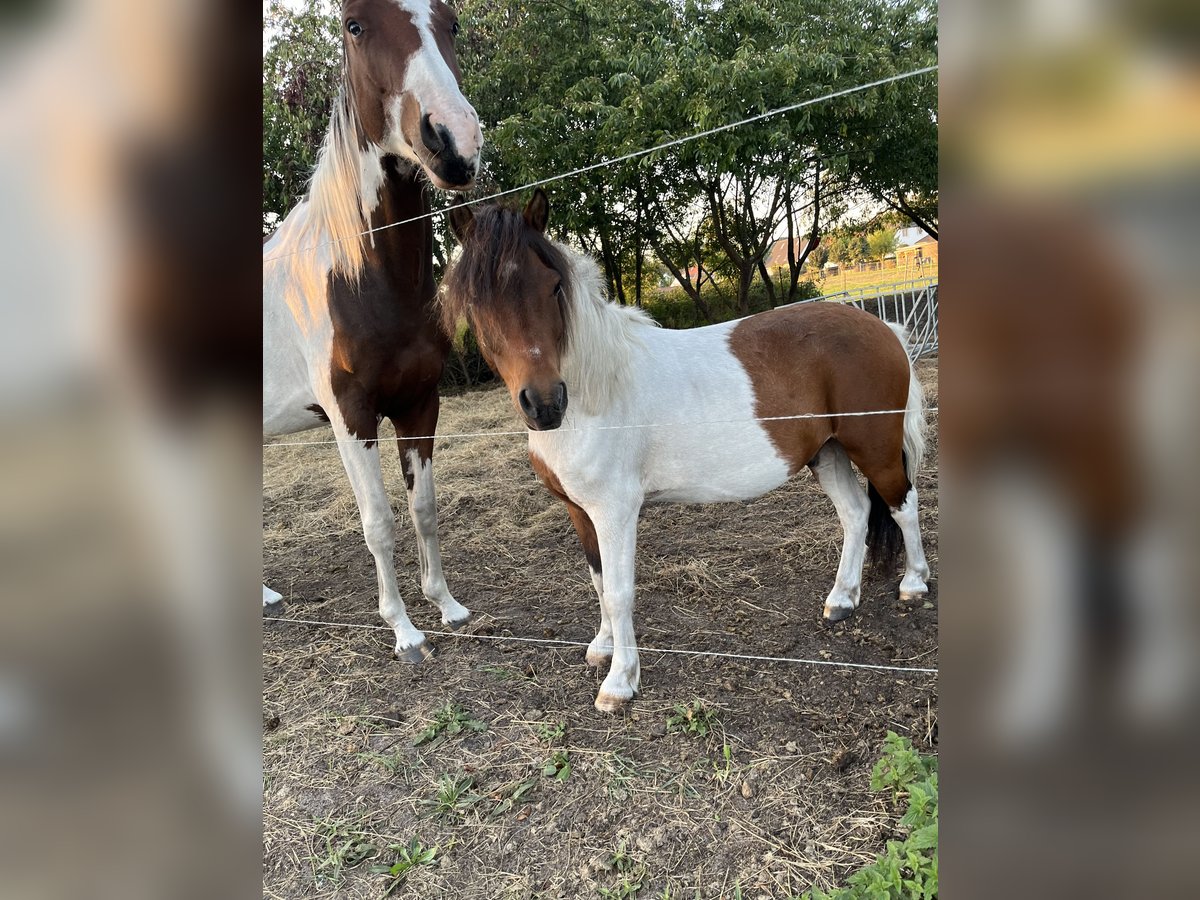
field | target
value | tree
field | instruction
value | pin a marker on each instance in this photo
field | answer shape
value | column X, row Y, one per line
column 301, row 75
column 881, row 242
column 888, row 144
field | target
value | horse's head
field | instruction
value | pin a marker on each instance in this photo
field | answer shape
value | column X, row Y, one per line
column 511, row 285
column 404, row 80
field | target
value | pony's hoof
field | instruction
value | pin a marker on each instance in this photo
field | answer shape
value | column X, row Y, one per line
column 838, row 613
column 607, row 703
column 912, row 596
column 460, row 624
column 415, row 654
column 597, row 659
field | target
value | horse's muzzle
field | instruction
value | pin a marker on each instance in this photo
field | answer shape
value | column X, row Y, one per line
column 453, row 171
column 543, row 414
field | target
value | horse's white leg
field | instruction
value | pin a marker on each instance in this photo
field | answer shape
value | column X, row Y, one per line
column 832, row 470
column 616, row 533
column 600, row 650
column 379, row 529
column 270, row 596
column 916, row 569
column 422, row 507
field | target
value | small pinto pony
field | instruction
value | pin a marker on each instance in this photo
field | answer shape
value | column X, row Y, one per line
column 350, row 329
column 622, row 413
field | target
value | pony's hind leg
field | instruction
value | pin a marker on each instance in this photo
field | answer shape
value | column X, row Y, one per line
column 416, row 459
column 916, row 569
column 831, row 466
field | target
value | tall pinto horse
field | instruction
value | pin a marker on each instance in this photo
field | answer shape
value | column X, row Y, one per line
column 622, row 413
column 349, row 331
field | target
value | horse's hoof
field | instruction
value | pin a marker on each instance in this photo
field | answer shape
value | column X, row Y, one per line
column 838, row 613
column 417, row 653
column 913, row 596
column 459, row 625
column 607, row 703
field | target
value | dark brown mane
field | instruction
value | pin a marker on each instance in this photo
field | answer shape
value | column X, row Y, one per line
column 488, row 269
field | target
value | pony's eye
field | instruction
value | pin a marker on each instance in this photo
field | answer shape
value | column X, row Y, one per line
column 354, row 28
column 454, row 29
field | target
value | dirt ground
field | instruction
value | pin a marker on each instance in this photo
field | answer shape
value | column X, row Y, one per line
column 772, row 800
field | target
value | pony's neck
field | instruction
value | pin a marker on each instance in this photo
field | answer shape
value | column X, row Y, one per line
column 603, row 340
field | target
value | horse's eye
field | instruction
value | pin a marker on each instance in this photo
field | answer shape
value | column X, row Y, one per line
column 454, row 29
column 354, row 28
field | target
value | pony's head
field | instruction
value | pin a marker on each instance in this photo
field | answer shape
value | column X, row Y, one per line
column 511, row 285
column 403, row 80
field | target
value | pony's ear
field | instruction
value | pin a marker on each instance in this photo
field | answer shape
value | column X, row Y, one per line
column 537, row 211
column 462, row 220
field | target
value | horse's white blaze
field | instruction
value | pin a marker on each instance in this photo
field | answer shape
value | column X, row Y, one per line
column 429, row 79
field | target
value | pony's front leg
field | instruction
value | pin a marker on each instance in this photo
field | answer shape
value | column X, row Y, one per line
column 617, row 535
column 360, row 457
column 601, row 648
column 416, row 458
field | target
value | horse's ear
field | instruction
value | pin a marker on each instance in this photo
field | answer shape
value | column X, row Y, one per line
column 462, row 220
column 537, row 211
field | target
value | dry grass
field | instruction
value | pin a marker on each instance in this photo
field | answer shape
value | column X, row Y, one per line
column 788, row 808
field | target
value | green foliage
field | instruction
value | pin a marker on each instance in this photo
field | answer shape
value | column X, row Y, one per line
column 881, row 242
column 630, row 876
column 550, row 732
column 339, row 847
column 454, row 796
column 449, row 720
column 558, row 766
column 408, row 856
column 301, row 74
column 907, row 869
column 695, row 718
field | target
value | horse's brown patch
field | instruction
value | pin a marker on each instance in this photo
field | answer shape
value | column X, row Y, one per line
column 829, row 358
column 580, row 519
column 377, row 62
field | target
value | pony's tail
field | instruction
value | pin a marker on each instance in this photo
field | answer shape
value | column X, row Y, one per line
column 884, row 538
column 914, row 415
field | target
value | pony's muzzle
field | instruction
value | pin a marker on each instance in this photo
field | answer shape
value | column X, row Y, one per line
column 445, row 160
column 543, row 414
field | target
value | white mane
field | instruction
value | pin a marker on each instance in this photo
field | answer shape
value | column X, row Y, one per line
column 343, row 190
column 601, row 337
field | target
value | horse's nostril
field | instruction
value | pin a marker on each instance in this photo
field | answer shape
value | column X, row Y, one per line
column 430, row 136
column 526, row 403
column 562, row 395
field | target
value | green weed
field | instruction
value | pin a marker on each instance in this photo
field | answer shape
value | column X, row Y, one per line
column 339, row 847
column 450, row 720
column 454, row 796
column 550, row 732
column 908, row 869
column 557, row 766
column 696, row 719
column 408, row 857
column 630, row 874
